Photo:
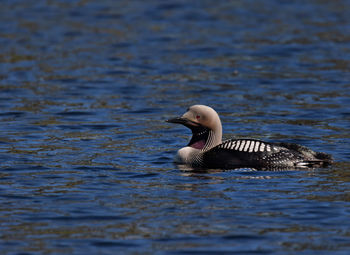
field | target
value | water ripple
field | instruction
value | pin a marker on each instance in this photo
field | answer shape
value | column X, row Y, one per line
column 86, row 157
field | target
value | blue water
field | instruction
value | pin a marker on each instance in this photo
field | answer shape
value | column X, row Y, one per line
column 86, row 157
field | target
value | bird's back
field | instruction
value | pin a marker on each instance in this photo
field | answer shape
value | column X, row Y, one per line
column 258, row 154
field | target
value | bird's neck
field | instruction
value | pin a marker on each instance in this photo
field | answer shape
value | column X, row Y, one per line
column 200, row 142
column 205, row 139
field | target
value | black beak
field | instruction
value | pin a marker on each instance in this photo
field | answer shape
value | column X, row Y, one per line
column 186, row 122
column 178, row 120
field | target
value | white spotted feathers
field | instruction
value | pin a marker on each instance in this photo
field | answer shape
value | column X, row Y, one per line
column 248, row 145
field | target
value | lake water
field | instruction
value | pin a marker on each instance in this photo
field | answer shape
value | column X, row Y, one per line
column 86, row 157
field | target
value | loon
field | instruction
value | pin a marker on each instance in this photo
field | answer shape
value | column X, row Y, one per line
column 207, row 150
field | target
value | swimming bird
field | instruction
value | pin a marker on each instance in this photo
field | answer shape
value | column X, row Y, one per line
column 207, row 150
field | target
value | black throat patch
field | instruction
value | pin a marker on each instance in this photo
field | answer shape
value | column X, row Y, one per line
column 199, row 137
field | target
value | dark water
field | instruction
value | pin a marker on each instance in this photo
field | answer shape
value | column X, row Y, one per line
column 85, row 154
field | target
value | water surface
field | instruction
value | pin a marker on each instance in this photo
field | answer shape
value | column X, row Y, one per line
column 86, row 157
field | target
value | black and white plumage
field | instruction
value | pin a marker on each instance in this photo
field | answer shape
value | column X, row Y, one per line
column 206, row 149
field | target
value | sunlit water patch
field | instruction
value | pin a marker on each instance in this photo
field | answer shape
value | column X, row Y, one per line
column 86, row 156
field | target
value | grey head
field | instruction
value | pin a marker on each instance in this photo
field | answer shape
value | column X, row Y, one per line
column 205, row 125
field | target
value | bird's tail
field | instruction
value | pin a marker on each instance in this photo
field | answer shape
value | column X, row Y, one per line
column 320, row 159
column 311, row 158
